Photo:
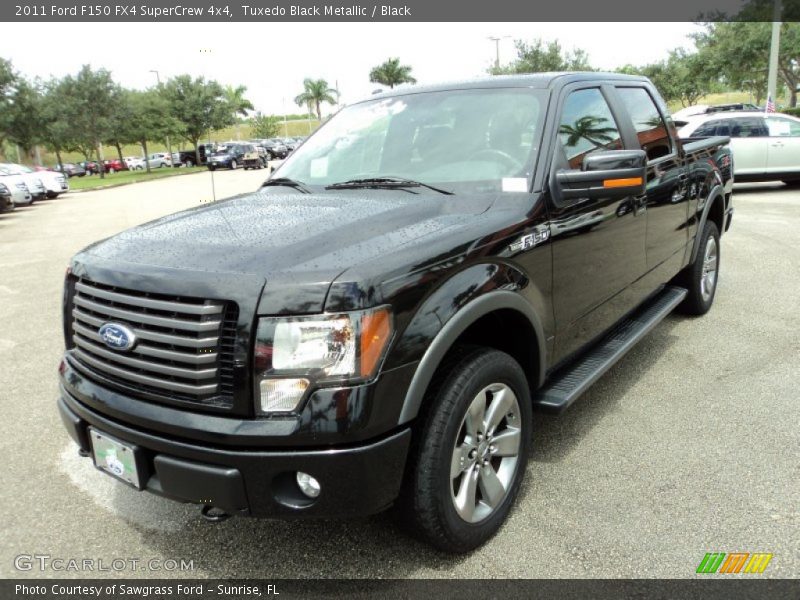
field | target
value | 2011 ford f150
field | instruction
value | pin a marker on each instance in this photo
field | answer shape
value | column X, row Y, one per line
column 377, row 324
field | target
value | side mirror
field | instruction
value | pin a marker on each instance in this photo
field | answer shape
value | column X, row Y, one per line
column 608, row 174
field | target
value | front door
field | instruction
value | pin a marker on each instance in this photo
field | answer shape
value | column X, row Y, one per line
column 783, row 154
column 598, row 244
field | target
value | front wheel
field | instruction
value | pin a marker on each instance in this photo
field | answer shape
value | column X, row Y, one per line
column 472, row 450
column 700, row 278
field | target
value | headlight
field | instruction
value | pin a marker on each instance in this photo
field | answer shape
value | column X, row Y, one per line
column 294, row 353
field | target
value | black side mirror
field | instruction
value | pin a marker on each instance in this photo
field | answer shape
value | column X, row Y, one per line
column 605, row 174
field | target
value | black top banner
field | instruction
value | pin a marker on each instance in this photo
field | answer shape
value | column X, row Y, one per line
column 396, row 11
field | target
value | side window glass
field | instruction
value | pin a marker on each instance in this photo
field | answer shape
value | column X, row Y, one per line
column 705, row 129
column 780, row 127
column 650, row 127
column 748, row 127
column 587, row 125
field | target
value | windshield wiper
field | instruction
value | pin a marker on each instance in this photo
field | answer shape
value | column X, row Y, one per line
column 384, row 182
column 287, row 182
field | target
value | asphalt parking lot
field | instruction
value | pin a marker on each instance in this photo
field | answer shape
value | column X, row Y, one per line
column 689, row 445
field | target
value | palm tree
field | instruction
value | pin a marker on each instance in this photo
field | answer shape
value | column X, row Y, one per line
column 315, row 92
column 238, row 104
column 588, row 128
column 391, row 73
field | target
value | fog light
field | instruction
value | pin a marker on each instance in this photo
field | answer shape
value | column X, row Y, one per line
column 308, row 485
column 281, row 395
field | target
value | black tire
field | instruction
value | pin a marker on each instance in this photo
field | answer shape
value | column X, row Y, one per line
column 792, row 183
column 212, row 168
column 189, row 164
column 52, row 195
column 701, row 292
column 234, row 165
column 428, row 500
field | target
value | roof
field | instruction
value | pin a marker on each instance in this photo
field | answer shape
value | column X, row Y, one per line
column 531, row 80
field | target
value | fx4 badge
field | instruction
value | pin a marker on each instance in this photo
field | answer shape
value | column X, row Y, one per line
column 542, row 234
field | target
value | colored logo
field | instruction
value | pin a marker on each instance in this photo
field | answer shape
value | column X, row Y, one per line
column 734, row 562
column 117, row 337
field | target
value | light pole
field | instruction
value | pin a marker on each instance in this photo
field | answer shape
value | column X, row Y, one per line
column 496, row 41
column 772, row 75
column 169, row 146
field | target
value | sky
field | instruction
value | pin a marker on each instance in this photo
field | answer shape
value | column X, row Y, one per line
column 273, row 59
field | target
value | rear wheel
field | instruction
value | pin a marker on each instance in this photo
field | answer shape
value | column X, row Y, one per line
column 234, row 165
column 471, row 453
column 189, row 164
column 700, row 278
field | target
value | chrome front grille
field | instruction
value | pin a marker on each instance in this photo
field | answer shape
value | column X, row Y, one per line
column 184, row 348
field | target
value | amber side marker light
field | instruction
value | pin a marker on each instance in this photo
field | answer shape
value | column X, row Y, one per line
column 376, row 329
column 615, row 183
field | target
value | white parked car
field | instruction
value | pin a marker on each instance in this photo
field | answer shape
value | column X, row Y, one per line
column 53, row 183
column 159, row 159
column 766, row 146
column 32, row 182
column 20, row 195
column 134, row 162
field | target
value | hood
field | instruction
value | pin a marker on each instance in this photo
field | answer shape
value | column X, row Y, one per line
column 294, row 241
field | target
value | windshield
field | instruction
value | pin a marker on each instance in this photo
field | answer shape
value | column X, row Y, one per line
column 478, row 140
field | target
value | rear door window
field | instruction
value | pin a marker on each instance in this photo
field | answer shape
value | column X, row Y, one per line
column 648, row 122
column 748, row 127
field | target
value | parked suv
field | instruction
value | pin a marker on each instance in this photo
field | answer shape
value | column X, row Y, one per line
column 229, row 155
column 52, row 184
column 158, row 160
column 378, row 322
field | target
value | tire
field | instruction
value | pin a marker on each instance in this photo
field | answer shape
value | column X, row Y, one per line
column 701, row 277
column 112, row 171
column 447, row 491
column 189, row 164
column 234, row 165
column 212, row 168
column 792, row 183
column 52, row 195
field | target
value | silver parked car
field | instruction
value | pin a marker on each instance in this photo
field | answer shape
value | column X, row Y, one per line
column 20, row 195
column 159, row 159
column 47, row 183
column 766, row 146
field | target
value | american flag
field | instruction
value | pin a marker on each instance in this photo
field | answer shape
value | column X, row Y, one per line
column 770, row 105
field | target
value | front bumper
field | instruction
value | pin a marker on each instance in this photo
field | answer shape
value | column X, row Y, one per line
column 355, row 480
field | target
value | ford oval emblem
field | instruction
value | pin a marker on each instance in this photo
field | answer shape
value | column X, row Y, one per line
column 117, row 337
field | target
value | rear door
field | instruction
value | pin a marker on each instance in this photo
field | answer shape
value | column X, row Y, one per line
column 783, row 154
column 749, row 144
column 667, row 183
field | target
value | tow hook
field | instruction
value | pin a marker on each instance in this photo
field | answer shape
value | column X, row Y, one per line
column 212, row 514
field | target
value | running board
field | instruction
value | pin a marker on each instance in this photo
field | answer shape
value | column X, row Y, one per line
column 570, row 382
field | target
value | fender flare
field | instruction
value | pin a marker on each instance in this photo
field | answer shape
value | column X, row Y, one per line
column 453, row 328
column 716, row 192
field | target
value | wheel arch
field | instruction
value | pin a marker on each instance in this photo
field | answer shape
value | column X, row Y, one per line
column 714, row 210
column 482, row 321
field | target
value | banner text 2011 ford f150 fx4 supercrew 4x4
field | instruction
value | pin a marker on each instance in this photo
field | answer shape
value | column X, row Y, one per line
column 377, row 324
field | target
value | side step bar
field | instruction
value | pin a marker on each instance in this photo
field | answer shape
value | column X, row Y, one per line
column 571, row 381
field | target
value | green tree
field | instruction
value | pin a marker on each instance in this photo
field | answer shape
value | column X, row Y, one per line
column 91, row 99
column 265, row 126
column 8, row 80
column 148, row 119
column 683, row 77
column 24, row 122
column 739, row 53
column 56, row 130
column 198, row 105
column 315, row 92
column 238, row 104
column 391, row 73
column 539, row 56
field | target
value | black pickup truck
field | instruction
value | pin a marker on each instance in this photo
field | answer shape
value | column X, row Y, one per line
column 378, row 323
